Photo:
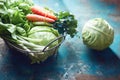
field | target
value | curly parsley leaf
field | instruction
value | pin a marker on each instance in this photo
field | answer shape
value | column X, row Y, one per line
column 66, row 23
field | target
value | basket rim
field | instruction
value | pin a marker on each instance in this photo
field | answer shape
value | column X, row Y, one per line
column 44, row 49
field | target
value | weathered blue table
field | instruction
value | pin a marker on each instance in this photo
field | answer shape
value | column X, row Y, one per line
column 74, row 60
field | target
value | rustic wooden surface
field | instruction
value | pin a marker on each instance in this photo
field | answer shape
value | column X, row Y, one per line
column 74, row 61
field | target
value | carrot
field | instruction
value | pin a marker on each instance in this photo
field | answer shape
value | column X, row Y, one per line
column 43, row 12
column 35, row 18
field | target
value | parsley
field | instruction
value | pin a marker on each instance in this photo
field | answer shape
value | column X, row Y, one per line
column 66, row 23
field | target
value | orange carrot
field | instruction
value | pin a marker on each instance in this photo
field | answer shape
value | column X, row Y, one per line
column 35, row 18
column 43, row 12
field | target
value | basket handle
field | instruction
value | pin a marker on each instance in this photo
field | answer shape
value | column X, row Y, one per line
column 60, row 37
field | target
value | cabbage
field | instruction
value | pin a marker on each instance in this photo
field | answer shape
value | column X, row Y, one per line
column 35, row 41
column 42, row 35
column 97, row 34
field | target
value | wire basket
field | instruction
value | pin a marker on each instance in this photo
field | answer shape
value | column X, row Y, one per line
column 46, row 51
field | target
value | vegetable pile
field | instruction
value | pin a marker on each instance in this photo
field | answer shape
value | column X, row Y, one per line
column 31, row 27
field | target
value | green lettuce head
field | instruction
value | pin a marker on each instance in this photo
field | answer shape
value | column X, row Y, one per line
column 42, row 35
column 97, row 34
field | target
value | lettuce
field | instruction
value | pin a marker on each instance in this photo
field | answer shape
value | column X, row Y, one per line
column 16, row 29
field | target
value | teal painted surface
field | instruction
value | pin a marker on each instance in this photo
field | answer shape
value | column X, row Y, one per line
column 73, row 56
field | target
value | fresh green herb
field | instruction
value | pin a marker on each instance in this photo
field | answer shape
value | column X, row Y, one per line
column 66, row 23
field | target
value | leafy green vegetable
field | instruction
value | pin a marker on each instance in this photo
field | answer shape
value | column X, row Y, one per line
column 35, row 41
column 42, row 35
column 66, row 23
column 42, row 24
column 29, row 36
column 97, row 34
column 21, row 31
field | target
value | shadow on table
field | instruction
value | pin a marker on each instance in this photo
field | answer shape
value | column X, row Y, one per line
column 23, row 58
column 19, row 65
column 106, row 61
column 106, row 57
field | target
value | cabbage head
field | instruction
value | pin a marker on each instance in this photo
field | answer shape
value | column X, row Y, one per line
column 42, row 35
column 97, row 34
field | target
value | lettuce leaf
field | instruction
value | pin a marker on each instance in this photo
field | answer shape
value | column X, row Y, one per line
column 17, row 30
